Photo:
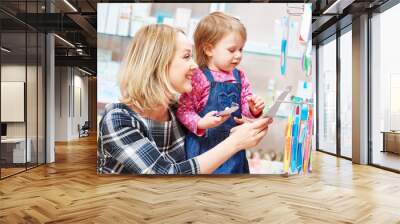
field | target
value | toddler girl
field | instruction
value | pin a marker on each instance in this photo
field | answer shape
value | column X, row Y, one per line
column 219, row 41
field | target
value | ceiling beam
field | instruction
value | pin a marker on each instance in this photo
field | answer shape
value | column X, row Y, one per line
column 81, row 61
column 337, row 6
column 86, row 26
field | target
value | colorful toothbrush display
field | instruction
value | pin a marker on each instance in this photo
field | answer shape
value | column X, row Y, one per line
column 298, row 138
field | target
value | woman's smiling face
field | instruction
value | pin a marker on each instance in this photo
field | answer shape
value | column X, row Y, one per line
column 182, row 65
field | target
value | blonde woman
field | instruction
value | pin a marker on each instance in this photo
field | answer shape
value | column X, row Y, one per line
column 141, row 135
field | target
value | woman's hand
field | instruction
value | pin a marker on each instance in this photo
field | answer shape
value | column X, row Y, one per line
column 211, row 121
column 246, row 135
column 249, row 133
column 243, row 120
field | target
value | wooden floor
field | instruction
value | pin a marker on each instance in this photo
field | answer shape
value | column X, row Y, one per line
column 69, row 191
column 10, row 171
column 5, row 172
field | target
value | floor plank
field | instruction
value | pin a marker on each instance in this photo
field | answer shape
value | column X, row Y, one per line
column 69, row 191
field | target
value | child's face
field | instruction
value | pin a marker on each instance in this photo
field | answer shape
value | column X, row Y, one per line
column 182, row 65
column 227, row 53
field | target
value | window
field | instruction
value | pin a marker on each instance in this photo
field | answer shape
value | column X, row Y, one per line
column 22, row 65
column 346, row 94
column 385, row 89
column 327, row 97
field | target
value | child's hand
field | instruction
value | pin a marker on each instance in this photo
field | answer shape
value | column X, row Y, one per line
column 211, row 121
column 256, row 105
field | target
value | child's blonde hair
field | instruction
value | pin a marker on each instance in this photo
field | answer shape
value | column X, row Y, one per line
column 143, row 79
column 212, row 29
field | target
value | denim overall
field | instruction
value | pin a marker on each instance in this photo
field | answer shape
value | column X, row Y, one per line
column 221, row 95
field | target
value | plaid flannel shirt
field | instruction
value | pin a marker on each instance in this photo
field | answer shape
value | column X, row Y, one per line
column 129, row 143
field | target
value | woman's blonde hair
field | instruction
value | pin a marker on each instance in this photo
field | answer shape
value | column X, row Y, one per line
column 212, row 29
column 143, row 78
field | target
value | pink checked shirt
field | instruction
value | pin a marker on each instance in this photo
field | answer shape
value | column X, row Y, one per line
column 190, row 104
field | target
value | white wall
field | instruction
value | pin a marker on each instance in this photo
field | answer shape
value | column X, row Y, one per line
column 12, row 73
column 61, row 103
column 79, row 117
column 69, row 85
